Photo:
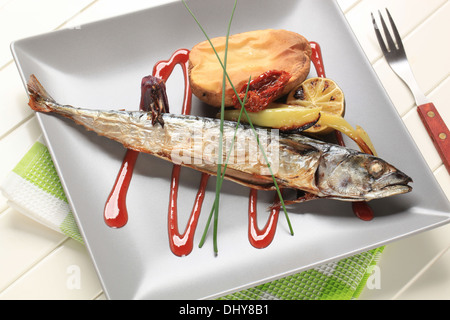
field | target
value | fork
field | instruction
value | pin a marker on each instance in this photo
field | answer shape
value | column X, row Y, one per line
column 396, row 57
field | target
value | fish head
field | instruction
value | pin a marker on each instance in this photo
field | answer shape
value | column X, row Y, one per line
column 359, row 176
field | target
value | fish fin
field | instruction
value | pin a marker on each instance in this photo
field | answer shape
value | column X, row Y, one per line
column 302, row 196
column 242, row 178
column 38, row 95
column 252, row 184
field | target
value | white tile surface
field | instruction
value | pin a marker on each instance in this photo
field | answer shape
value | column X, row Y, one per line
column 443, row 179
column 346, row 5
column 401, row 261
column 65, row 273
column 110, row 8
column 38, row 263
column 428, row 51
column 408, row 14
column 430, row 67
column 431, row 283
column 16, row 145
column 14, row 96
column 23, row 18
column 23, row 243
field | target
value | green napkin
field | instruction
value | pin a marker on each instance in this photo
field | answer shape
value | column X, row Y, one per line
column 34, row 189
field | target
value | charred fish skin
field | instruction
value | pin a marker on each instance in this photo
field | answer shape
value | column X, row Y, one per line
column 320, row 169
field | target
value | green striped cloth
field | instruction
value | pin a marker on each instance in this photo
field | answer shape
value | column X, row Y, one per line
column 34, row 189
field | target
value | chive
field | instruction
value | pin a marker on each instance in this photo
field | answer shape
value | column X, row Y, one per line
column 271, row 172
column 202, row 241
column 220, row 156
column 220, row 177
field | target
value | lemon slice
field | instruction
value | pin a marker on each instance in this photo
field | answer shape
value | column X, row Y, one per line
column 319, row 92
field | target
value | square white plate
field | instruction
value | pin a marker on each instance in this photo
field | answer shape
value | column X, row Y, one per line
column 100, row 65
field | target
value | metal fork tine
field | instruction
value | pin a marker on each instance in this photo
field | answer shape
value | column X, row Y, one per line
column 378, row 34
column 395, row 55
column 390, row 42
column 396, row 33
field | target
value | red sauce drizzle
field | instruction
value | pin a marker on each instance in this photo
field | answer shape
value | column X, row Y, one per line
column 360, row 208
column 181, row 245
column 316, row 58
column 257, row 237
column 115, row 213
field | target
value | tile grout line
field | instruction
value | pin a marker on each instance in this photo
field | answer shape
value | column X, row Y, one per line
column 427, row 93
column 26, row 119
column 17, row 126
column 425, row 19
column 5, row 4
column 57, row 28
column 6, row 64
column 98, row 295
column 351, row 6
column 63, row 241
column 420, row 273
column 419, row 24
column 76, row 14
column 33, row 265
column 22, row 122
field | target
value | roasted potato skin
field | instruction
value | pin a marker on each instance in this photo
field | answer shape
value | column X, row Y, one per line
column 249, row 54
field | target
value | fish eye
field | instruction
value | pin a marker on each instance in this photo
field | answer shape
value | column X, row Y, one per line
column 375, row 168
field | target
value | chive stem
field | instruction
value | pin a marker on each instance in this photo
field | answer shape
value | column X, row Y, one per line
column 220, row 175
column 220, row 156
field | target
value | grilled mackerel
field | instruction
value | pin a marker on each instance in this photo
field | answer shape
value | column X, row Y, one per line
column 316, row 169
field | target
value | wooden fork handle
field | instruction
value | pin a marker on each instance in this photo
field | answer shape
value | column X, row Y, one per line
column 437, row 130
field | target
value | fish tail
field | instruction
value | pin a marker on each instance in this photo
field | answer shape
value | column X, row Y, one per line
column 39, row 97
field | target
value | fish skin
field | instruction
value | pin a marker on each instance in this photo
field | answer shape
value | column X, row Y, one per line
column 320, row 169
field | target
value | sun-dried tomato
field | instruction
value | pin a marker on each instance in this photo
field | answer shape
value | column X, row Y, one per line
column 263, row 90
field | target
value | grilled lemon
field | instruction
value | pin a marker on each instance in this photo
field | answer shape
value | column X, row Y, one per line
column 319, row 92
